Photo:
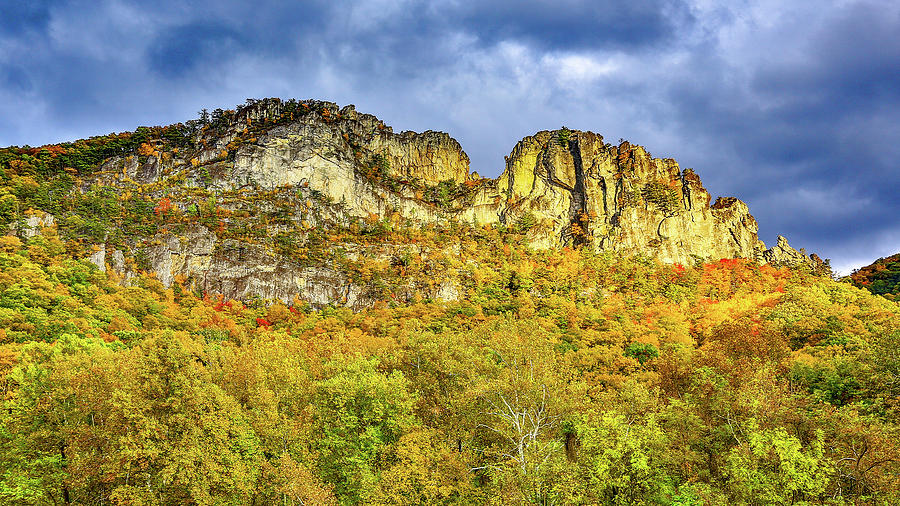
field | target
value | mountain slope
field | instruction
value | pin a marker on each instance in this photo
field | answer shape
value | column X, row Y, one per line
column 439, row 339
column 281, row 199
column 881, row 277
column 560, row 377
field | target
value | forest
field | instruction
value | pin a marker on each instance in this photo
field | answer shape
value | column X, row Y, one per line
column 625, row 382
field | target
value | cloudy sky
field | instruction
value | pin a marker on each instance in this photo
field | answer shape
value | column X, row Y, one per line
column 792, row 106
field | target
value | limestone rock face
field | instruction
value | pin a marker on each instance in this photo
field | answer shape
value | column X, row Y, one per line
column 564, row 187
column 579, row 190
column 431, row 156
column 243, row 271
column 783, row 254
column 33, row 224
column 331, row 158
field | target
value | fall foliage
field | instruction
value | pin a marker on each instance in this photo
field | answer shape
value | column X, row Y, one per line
column 626, row 381
column 881, row 277
column 552, row 377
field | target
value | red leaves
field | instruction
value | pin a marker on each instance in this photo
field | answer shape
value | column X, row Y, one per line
column 221, row 305
column 56, row 150
column 163, row 207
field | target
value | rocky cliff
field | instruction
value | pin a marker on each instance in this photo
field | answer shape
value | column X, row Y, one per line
column 292, row 199
column 581, row 191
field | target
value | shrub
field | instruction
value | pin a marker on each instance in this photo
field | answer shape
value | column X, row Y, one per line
column 563, row 136
column 642, row 352
column 526, row 222
column 664, row 197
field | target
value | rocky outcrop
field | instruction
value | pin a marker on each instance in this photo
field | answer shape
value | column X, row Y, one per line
column 783, row 254
column 431, row 157
column 336, row 158
column 562, row 187
column 199, row 259
column 32, row 225
column 578, row 190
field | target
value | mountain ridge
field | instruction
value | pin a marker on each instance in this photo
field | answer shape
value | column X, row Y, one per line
column 321, row 170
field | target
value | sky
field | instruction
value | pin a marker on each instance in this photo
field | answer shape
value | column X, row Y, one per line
column 792, row 106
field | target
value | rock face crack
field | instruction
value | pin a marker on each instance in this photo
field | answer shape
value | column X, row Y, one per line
column 577, row 215
column 686, row 193
column 579, row 198
column 659, row 233
column 602, row 185
column 618, row 202
column 733, row 236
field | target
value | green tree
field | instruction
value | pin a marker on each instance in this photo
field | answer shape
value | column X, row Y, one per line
column 619, row 459
column 770, row 466
column 360, row 415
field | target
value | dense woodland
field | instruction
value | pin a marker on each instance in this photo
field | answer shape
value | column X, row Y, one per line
column 559, row 377
column 624, row 382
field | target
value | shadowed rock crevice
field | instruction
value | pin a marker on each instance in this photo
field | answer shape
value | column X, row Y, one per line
column 579, row 219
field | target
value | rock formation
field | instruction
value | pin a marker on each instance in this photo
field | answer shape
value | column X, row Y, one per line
column 582, row 191
column 317, row 165
column 575, row 188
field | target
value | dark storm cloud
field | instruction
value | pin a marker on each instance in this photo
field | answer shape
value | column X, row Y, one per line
column 794, row 107
column 854, row 54
column 573, row 25
column 178, row 50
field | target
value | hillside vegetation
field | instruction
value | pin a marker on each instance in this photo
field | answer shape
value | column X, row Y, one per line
column 882, row 277
column 625, row 381
column 432, row 361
